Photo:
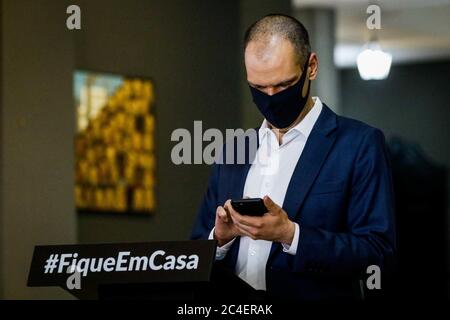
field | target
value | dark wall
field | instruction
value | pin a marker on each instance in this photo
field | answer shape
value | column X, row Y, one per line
column 1, row 150
column 413, row 104
column 189, row 48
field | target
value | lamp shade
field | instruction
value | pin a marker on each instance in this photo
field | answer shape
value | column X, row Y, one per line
column 374, row 64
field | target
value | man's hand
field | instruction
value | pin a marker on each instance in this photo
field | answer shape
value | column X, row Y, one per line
column 272, row 226
column 224, row 230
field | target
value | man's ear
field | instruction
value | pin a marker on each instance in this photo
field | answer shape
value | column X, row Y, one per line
column 313, row 66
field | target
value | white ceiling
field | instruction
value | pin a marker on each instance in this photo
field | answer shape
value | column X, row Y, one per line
column 412, row 30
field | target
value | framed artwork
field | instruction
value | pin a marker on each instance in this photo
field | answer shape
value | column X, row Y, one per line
column 115, row 165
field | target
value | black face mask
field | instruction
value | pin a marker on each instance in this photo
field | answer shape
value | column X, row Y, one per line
column 284, row 107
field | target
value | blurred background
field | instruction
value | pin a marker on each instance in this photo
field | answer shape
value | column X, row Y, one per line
column 191, row 52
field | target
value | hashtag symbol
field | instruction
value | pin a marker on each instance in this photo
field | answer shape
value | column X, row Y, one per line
column 51, row 263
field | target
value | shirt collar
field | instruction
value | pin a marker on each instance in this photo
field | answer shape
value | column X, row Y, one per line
column 304, row 127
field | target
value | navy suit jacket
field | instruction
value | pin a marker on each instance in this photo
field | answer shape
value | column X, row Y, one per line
column 341, row 196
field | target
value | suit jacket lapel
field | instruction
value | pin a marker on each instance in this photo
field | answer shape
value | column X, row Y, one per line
column 308, row 166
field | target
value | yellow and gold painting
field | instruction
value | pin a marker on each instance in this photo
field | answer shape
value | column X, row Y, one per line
column 114, row 144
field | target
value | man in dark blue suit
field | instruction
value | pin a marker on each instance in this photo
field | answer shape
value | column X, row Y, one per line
column 325, row 182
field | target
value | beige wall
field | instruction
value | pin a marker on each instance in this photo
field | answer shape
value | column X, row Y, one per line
column 190, row 50
column 37, row 123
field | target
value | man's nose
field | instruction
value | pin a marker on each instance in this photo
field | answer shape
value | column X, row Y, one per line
column 272, row 90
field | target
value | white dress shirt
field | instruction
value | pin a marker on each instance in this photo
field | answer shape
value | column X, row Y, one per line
column 270, row 175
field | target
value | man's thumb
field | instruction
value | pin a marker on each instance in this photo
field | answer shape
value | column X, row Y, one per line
column 270, row 205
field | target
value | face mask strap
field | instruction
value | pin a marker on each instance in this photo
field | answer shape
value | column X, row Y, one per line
column 305, row 67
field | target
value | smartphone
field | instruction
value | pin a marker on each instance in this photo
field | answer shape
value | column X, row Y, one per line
column 249, row 206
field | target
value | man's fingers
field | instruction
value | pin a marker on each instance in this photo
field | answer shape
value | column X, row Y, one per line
column 246, row 228
column 255, row 222
column 228, row 208
column 222, row 214
column 247, row 231
column 242, row 231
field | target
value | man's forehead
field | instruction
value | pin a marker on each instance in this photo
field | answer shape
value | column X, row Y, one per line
column 267, row 55
column 266, row 49
column 274, row 65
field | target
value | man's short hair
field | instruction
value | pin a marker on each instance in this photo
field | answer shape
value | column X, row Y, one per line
column 283, row 26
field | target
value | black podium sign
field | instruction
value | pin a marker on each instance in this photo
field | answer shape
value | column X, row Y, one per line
column 82, row 269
